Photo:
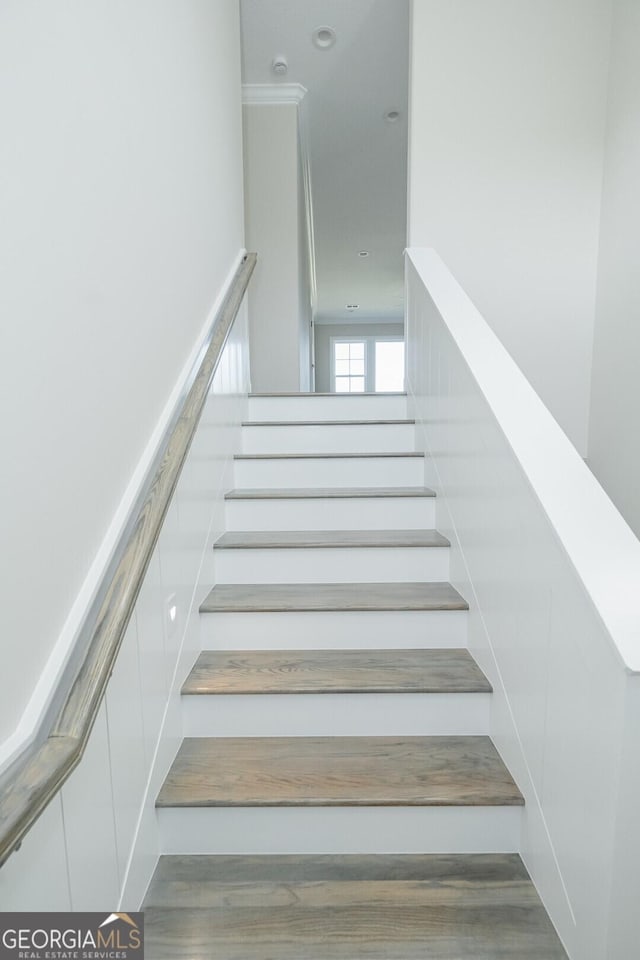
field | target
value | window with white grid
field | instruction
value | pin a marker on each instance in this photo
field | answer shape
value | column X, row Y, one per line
column 349, row 366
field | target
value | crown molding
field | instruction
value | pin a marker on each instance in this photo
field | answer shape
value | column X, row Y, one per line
column 273, row 93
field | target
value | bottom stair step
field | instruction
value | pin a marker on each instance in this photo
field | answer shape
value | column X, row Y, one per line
column 346, row 908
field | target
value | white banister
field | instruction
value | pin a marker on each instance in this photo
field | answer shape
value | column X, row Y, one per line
column 601, row 546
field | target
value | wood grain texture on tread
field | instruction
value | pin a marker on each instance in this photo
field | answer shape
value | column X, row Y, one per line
column 384, row 454
column 318, row 539
column 326, row 493
column 335, row 671
column 282, row 597
column 346, row 908
column 338, row 771
column 309, row 396
column 328, row 423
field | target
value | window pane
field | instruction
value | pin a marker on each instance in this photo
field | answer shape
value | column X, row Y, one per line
column 341, row 351
column 342, row 384
column 357, row 384
column 357, row 351
column 342, row 368
column 356, row 367
column 389, row 365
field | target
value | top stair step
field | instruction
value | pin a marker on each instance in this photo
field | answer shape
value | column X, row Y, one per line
column 331, row 406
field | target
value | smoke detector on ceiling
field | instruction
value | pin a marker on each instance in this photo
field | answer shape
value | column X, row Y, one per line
column 279, row 66
column 324, row 37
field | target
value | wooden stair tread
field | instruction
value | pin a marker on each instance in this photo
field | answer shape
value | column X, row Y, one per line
column 310, row 395
column 326, row 493
column 347, row 908
column 335, row 671
column 318, row 539
column 328, row 423
column 338, row 771
column 175, row 872
column 280, row 597
column 348, row 455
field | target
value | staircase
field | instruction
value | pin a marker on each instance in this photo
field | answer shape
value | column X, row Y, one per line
column 337, row 794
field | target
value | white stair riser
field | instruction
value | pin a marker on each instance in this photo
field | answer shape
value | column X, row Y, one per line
column 329, row 439
column 331, row 472
column 313, row 407
column 334, row 630
column 282, row 830
column 336, row 715
column 332, row 565
column 393, row 513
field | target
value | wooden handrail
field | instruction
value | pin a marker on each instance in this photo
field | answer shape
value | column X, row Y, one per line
column 32, row 781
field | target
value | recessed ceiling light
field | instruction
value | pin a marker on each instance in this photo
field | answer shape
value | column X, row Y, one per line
column 352, row 306
column 363, row 253
column 324, row 37
column 392, row 116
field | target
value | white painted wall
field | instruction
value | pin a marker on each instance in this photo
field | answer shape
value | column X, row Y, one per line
column 274, row 218
column 550, row 571
column 97, row 844
column 614, row 450
column 505, row 172
column 121, row 213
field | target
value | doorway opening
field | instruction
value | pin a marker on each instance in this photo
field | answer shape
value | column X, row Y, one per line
column 325, row 140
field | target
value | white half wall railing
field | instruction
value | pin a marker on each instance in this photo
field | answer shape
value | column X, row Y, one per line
column 552, row 575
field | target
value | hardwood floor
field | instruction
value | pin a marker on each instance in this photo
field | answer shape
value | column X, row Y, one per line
column 335, row 671
column 338, row 771
column 346, row 908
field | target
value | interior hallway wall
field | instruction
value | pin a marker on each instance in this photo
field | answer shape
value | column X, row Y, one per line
column 121, row 207
column 506, row 161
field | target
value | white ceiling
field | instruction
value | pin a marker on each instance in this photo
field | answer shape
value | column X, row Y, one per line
column 358, row 160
